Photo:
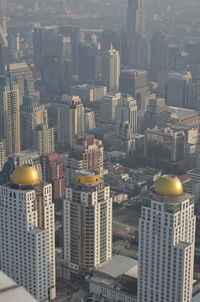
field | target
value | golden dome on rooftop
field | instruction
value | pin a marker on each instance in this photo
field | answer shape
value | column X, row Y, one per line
column 87, row 177
column 168, row 185
column 25, row 175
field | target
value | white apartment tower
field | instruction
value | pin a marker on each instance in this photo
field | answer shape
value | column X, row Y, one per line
column 108, row 105
column 111, row 69
column 126, row 111
column 166, row 243
column 27, row 233
column 71, row 119
column 87, row 223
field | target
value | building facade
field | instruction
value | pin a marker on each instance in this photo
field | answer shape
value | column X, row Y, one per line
column 126, row 111
column 71, row 119
column 52, row 172
column 111, row 69
column 166, row 243
column 108, row 107
column 87, row 223
column 10, row 113
column 27, row 233
column 87, row 154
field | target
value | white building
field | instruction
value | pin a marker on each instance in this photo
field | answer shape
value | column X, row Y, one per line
column 116, row 281
column 126, row 111
column 111, row 69
column 27, row 235
column 90, row 122
column 108, row 107
column 87, row 223
column 166, row 243
column 71, row 119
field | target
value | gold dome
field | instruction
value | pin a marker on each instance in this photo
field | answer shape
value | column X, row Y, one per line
column 168, row 185
column 25, row 175
column 87, row 177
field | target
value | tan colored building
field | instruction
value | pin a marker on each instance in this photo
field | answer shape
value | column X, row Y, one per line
column 87, row 223
column 44, row 139
column 32, row 114
column 71, row 119
column 10, row 113
column 2, row 153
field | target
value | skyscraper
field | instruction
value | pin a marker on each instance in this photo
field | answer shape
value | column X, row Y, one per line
column 134, row 82
column 157, row 114
column 126, row 111
column 159, row 52
column 108, row 105
column 166, row 243
column 52, row 172
column 135, row 18
column 32, row 114
column 180, row 90
column 44, row 139
column 27, row 233
column 137, row 46
column 111, row 69
column 71, row 119
column 2, row 153
column 9, row 113
column 87, row 153
column 88, row 231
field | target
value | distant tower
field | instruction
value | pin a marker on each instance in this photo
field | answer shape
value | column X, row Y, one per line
column 166, row 243
column 111, row 69
column 71, row 119
column 135, row 18
column 126, row 111
column 27, row 233
column 9, row 113
column 137, row 46
column 87, row 223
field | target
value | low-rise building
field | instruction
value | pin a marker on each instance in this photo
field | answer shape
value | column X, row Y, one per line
column 116, row 281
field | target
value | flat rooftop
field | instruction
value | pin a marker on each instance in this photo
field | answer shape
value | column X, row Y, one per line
column 11, row 291
column 119, row 265
column 181, row 113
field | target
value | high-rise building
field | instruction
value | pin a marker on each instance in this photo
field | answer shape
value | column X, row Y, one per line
column 165, row 144
column 71, row 119
column 134, row 82
column 26, row 157
column 126, row 111
column 32, row 114
column 166, row 243
column 10, row 113
column 157, row 114
column 4, row 50
column 2, row 153
column 180, row 90
column 27, row 233
column 90, row 122
column 22, row 73
column 108, row 107
column 44, row 139
column 111, row 69
column 87, row 154
column 135, row 18
column 87, row 233
column 52, row 172
column 159, row 53
column 137, row 45
column 90, row 61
